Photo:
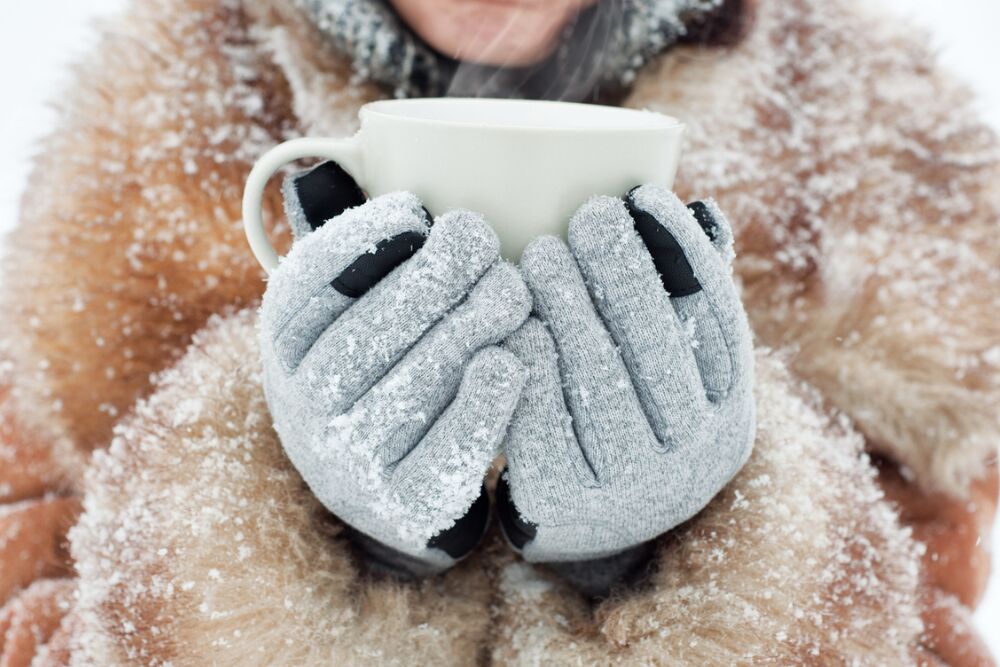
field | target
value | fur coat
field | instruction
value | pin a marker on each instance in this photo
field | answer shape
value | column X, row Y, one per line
column 863, row 193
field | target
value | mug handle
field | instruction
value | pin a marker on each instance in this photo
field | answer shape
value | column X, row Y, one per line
column 345, row 152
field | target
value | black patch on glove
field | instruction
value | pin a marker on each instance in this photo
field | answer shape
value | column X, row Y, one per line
column 705, row 218
column 463, row 537
column 326, row 191
column 368, row 269
column 518, row 531
column 675, row 272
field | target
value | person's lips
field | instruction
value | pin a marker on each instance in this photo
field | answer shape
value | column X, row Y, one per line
column 512, row 33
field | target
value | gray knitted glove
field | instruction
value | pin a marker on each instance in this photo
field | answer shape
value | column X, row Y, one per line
column 388, row 393
column 638, row 408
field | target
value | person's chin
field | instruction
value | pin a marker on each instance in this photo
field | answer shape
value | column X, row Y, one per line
column 511, row 33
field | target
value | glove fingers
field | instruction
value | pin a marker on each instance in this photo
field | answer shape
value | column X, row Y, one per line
column 441, row 478
column 637, row 312
column 360, row 347
column 301, row 300
column 397, row 412
column 695, row 309
column 318, row 195
column 542, row 449
column 596, row 383
column 693, row 270
column 718, row 230
column 544, row 460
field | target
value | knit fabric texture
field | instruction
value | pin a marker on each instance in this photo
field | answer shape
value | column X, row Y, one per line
column 638, row 408
column 393, row 405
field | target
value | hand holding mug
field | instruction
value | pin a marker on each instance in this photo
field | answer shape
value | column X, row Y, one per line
column 380, row 334
column 382, row 374
column 638, row 407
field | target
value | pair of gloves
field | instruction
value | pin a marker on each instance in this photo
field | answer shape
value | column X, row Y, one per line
column 401, row 356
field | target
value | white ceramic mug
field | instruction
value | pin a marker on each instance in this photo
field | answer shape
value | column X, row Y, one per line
column 527, row 166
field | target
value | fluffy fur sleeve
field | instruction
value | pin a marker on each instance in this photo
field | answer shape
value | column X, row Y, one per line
column 199, row 544
column 130, row 234
column 866, row 196
column 798, row 561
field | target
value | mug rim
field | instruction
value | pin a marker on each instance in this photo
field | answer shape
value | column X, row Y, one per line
column 389, row 109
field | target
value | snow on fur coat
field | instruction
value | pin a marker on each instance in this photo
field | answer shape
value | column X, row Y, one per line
column 864, row 198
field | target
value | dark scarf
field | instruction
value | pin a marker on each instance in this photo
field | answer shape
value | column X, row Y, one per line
column 599, row 54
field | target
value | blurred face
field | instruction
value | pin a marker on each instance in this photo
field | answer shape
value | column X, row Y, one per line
column 513, row 33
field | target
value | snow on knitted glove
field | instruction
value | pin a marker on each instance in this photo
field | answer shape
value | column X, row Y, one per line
column 389, row 393
column 638, row 408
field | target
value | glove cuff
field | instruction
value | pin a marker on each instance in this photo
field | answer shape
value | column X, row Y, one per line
column 385, row 562
column 443, row 550
column 598, row 577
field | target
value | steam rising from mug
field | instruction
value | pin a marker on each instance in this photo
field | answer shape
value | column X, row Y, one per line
column 597, row 55
column 574, row 71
